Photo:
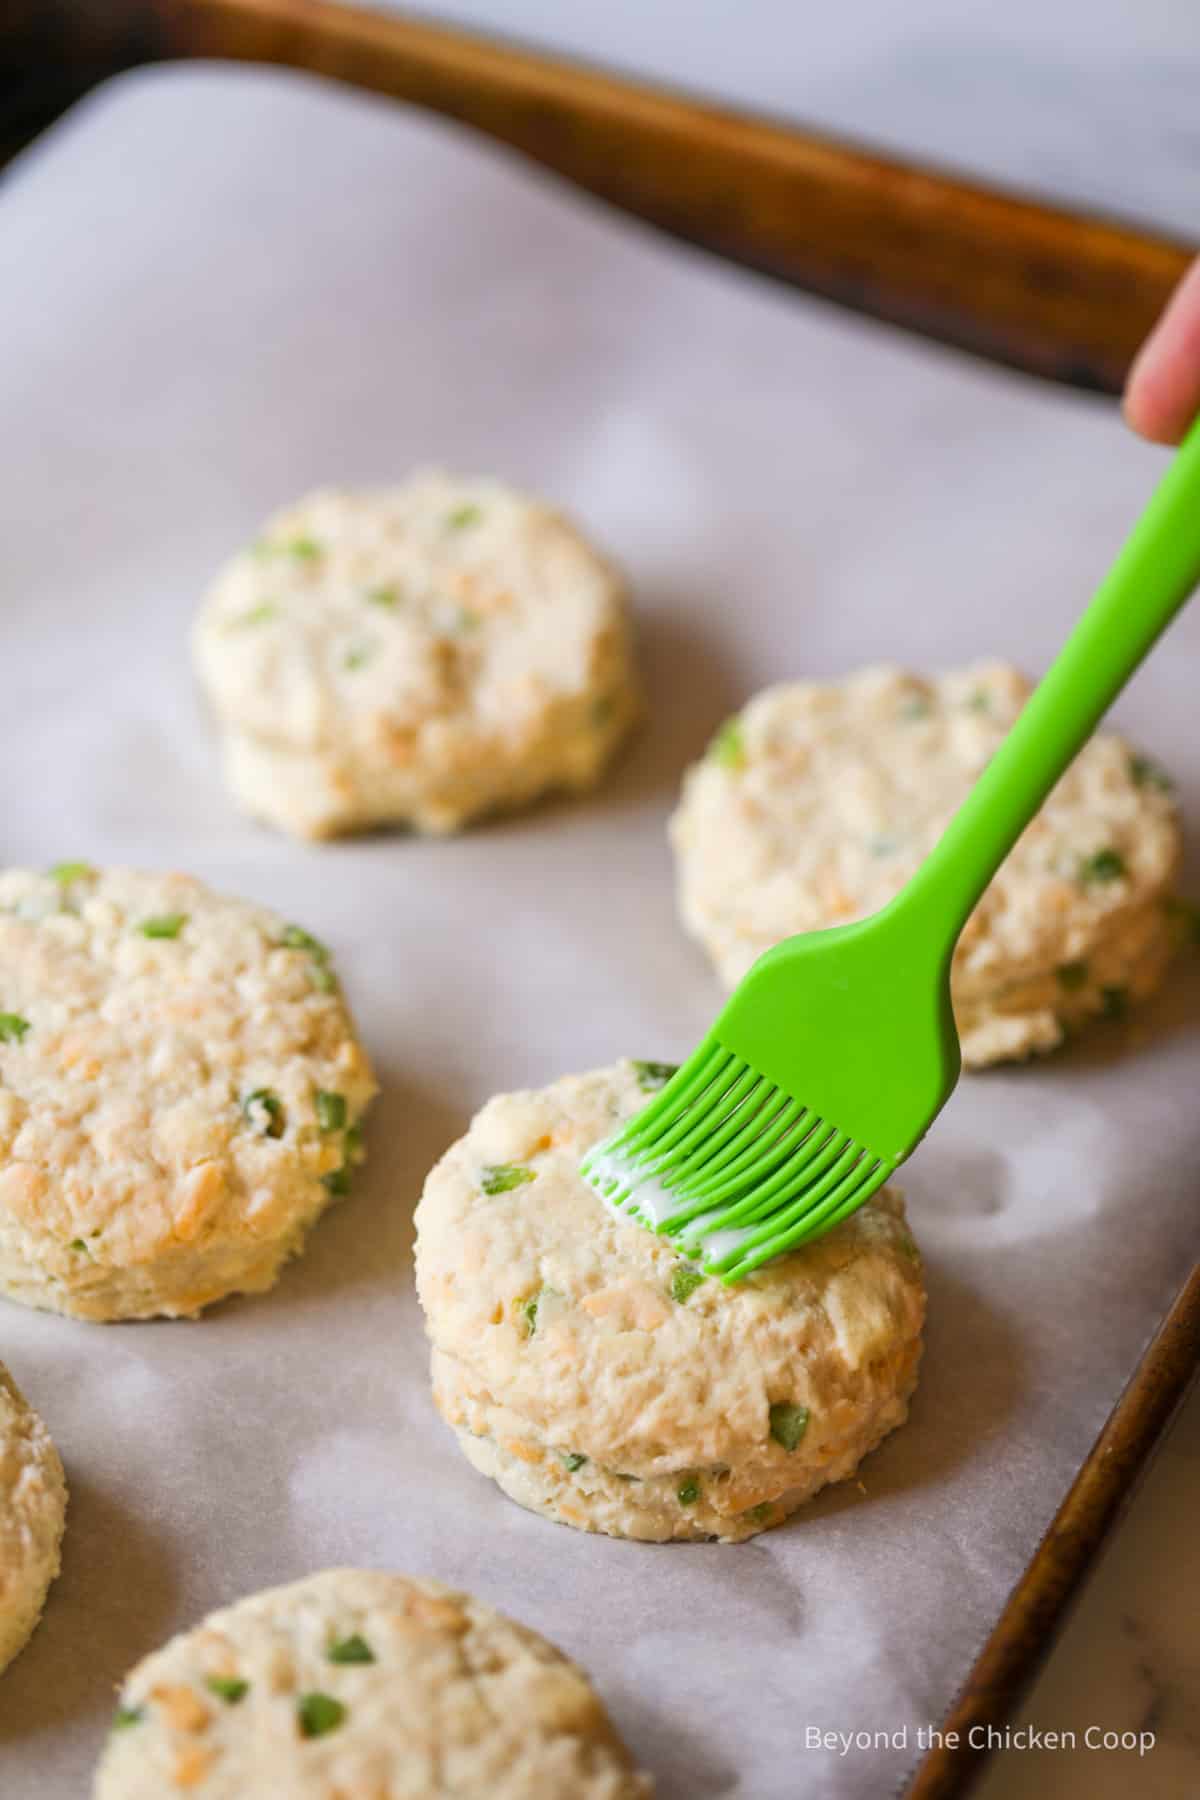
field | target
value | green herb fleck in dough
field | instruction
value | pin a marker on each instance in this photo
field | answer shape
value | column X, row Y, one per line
column 908, row 1248
column 229, row 1688
column 1104, row 865
column 1072, row 975
column 318, row 1713
column 980, row 701
column 688, row 1492
column 883, row 846
column 684, row 1282
column 621, row 1477
column 788, row 1423
column 165, row 925
column 125, row 1716
column 1144, row 772
column 304, row 549
column 758, row 1514
column 296, row 938
column 352, row 1143
column 653, row 1075
column 1116, row 1002
column 323, row 977
column 13, row 1027
column 331, row 1111
column 67, row 872
column 462, row 516
column 357, row 657
column 915, row 708
column 261, row 614
column 354, row 1649
column 337, row 1182
column 529, row 1312
column 264, row 1109
column 572, row 1460
column 386, row 595
column 727, row 747
column 77, row 1244
column 498, row 1178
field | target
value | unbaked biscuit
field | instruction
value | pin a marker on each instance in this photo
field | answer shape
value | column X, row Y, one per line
column 362, row 1684
column 817, row 803
column 417, row 655
column 599, row 1378
column 181, row 1090
column 33, row 1507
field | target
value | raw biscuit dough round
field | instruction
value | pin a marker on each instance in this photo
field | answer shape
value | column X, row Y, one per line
column 180, row 1092
column 356, row 1682
column 586, row 1369
column 33, row 1509
column 416, row 655
column 817, row 803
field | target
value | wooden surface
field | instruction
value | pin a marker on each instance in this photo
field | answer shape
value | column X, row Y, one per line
column 1042, row 289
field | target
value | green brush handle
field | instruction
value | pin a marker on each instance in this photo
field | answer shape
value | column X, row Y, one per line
column 1152, row 577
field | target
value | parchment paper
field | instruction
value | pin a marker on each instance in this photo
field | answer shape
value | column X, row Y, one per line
column 224, row 286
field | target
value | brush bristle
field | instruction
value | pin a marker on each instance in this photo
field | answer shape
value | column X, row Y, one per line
column 732, row 1167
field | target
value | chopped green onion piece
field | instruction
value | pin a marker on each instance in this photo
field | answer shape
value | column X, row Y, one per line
column 916, row 708
column 468, row 514
column 498, row 1178
column 1116, row 1002
column 353, row 1649
column 78, row 1244
column 653, row 1075
column 980, row 701
column 1146, row 773
column 166, row 925
column 229, row 1688
column 883, row 845
column 788, row 1423
column 621, row 1477
column 758, row 1513
column 331, row 1111
column 529, row 1312
column 318, row 1713
column 387, row 595
column 1104, row 865
column 66, row 872
column 324, row 979
column 261, row 614
column 264, row 1109
column 1072, row 975
column 572, row 1460
column 357, row 657
column 304, row 548
column 13, row 1027
column 337, row 1182
column 296, row 938
column 125, row 1716
column 688, row 1492
column 684, row 1282
column 908, row 1248
column 727, row 747
column 352, row 1142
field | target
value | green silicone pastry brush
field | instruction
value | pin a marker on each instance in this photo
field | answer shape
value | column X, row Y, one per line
column 838, row 1049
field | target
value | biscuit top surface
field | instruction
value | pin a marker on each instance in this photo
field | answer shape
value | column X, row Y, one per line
column 819, row 801
column 32, row 1500
column 163, row 1051
column 369, row 617
column 353, row 1682
column 592, row 1328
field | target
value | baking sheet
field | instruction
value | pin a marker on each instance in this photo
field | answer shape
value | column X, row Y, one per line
column 224, row 286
